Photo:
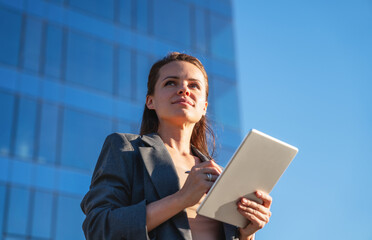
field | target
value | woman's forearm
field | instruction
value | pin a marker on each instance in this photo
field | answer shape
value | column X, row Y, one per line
column 160, row 211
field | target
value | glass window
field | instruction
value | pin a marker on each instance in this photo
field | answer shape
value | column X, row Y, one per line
column 125, row 8
column 125, row 73
column 6, row 121
column 2, row 206
column 143, row 66
column 14, row 238
column 53, row 51
column 18, row 211
column 83, row 136
column 42, row 215
column 32, row 45
column 200, row 30
column 10, row 26
column 48, row 133
column 69, row 219
column 142, row 15
column 25, row 132
column 226, row 105
column 221, row 38
column 89, row 62
column 98, row 7
column 178, row 29
column 123, row 127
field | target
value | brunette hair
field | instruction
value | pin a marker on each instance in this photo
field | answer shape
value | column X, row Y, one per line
column 202, row 134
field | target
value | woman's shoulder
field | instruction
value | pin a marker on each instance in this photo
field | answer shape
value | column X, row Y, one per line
column 125, row 141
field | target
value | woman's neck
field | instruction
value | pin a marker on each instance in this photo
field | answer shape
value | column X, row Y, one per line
column 176, row 137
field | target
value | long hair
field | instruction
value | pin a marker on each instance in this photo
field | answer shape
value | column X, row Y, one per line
column 202, row 135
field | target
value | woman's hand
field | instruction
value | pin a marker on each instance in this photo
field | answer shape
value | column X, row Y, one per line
column 197, row 183
column 258, row 214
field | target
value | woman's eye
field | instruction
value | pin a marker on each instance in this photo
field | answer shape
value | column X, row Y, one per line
column 195, row 85
column 171, row 83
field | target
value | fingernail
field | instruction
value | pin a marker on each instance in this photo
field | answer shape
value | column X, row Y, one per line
column 259, row 194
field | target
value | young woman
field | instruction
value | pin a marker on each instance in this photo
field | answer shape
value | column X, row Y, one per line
column 139, row 187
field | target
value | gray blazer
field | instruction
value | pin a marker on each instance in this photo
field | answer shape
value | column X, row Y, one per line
column 131, row 172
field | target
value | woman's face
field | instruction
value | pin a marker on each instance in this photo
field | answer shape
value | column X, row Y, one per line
column 180, row 93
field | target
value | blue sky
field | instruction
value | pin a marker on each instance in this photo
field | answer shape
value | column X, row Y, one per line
column 305, row 77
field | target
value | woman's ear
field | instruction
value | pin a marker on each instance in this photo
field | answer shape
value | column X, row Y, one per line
column 205, row 108
column 149, row 102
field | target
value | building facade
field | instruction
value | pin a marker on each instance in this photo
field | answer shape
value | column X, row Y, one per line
column 74, row 71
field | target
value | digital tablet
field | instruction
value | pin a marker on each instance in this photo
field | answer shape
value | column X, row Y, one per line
column 257, row 164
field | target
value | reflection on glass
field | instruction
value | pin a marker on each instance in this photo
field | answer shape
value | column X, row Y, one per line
column 125, row 79
column 226, row 109
column 32, row 44
column 143, row 65
column 83, row 136
column 6, row 121
column 142, row 15
column 125, row 9
column 25, row 132
column 53, row 51
column 10, row 26
column 69, row 218
column 200, row 28
column 48, row 133
column 172, row 24
column 42, row 215
column 89, row 62
column 98, row 7
column 18, row 211
column 2, row 205
column 222, row 45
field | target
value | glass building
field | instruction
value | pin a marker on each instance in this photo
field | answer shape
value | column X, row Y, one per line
column 74, row 71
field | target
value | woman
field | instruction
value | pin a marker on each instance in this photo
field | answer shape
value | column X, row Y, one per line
column 139, row 187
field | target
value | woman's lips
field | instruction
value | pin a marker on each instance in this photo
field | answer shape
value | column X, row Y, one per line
column 184, row 102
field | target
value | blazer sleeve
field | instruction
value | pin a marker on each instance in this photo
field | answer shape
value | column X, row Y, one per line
column 107, row 205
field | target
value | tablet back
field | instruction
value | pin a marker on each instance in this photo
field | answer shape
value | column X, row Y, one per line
column 257, row 164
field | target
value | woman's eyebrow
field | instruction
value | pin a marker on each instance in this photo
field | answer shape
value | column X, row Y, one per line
column 176, row 77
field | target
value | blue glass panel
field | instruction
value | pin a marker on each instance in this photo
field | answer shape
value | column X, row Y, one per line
column 25, row 132
column 83, row 135
column 101, row 8
column 226, row 105
column 2, row 207
column 125, row 8
column 18, row 211
column 6, row 121
column 69, row 219
column 222, row 42
column 53, row 51
column 73, row 182
column 10, row 26
column 142, row 16
column 14, row 238
column 200, row 28
column 89, row 62
column 123, row 127
column 31, row 51
column 223, row 156
column 48, row 133
column 125, row 83
column 57, row 1
column 172, row 21
column 143, row 66
column 42, row 215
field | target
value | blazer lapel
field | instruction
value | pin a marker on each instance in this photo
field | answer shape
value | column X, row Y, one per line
column 163, row 175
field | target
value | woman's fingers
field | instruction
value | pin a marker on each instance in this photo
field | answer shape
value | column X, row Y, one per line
column 266, row 198
column 255, row 206
column 261, row 216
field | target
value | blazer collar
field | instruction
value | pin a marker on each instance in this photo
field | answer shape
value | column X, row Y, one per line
column 162, row 172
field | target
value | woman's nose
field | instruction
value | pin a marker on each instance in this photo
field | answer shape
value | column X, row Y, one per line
column 183, row 91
